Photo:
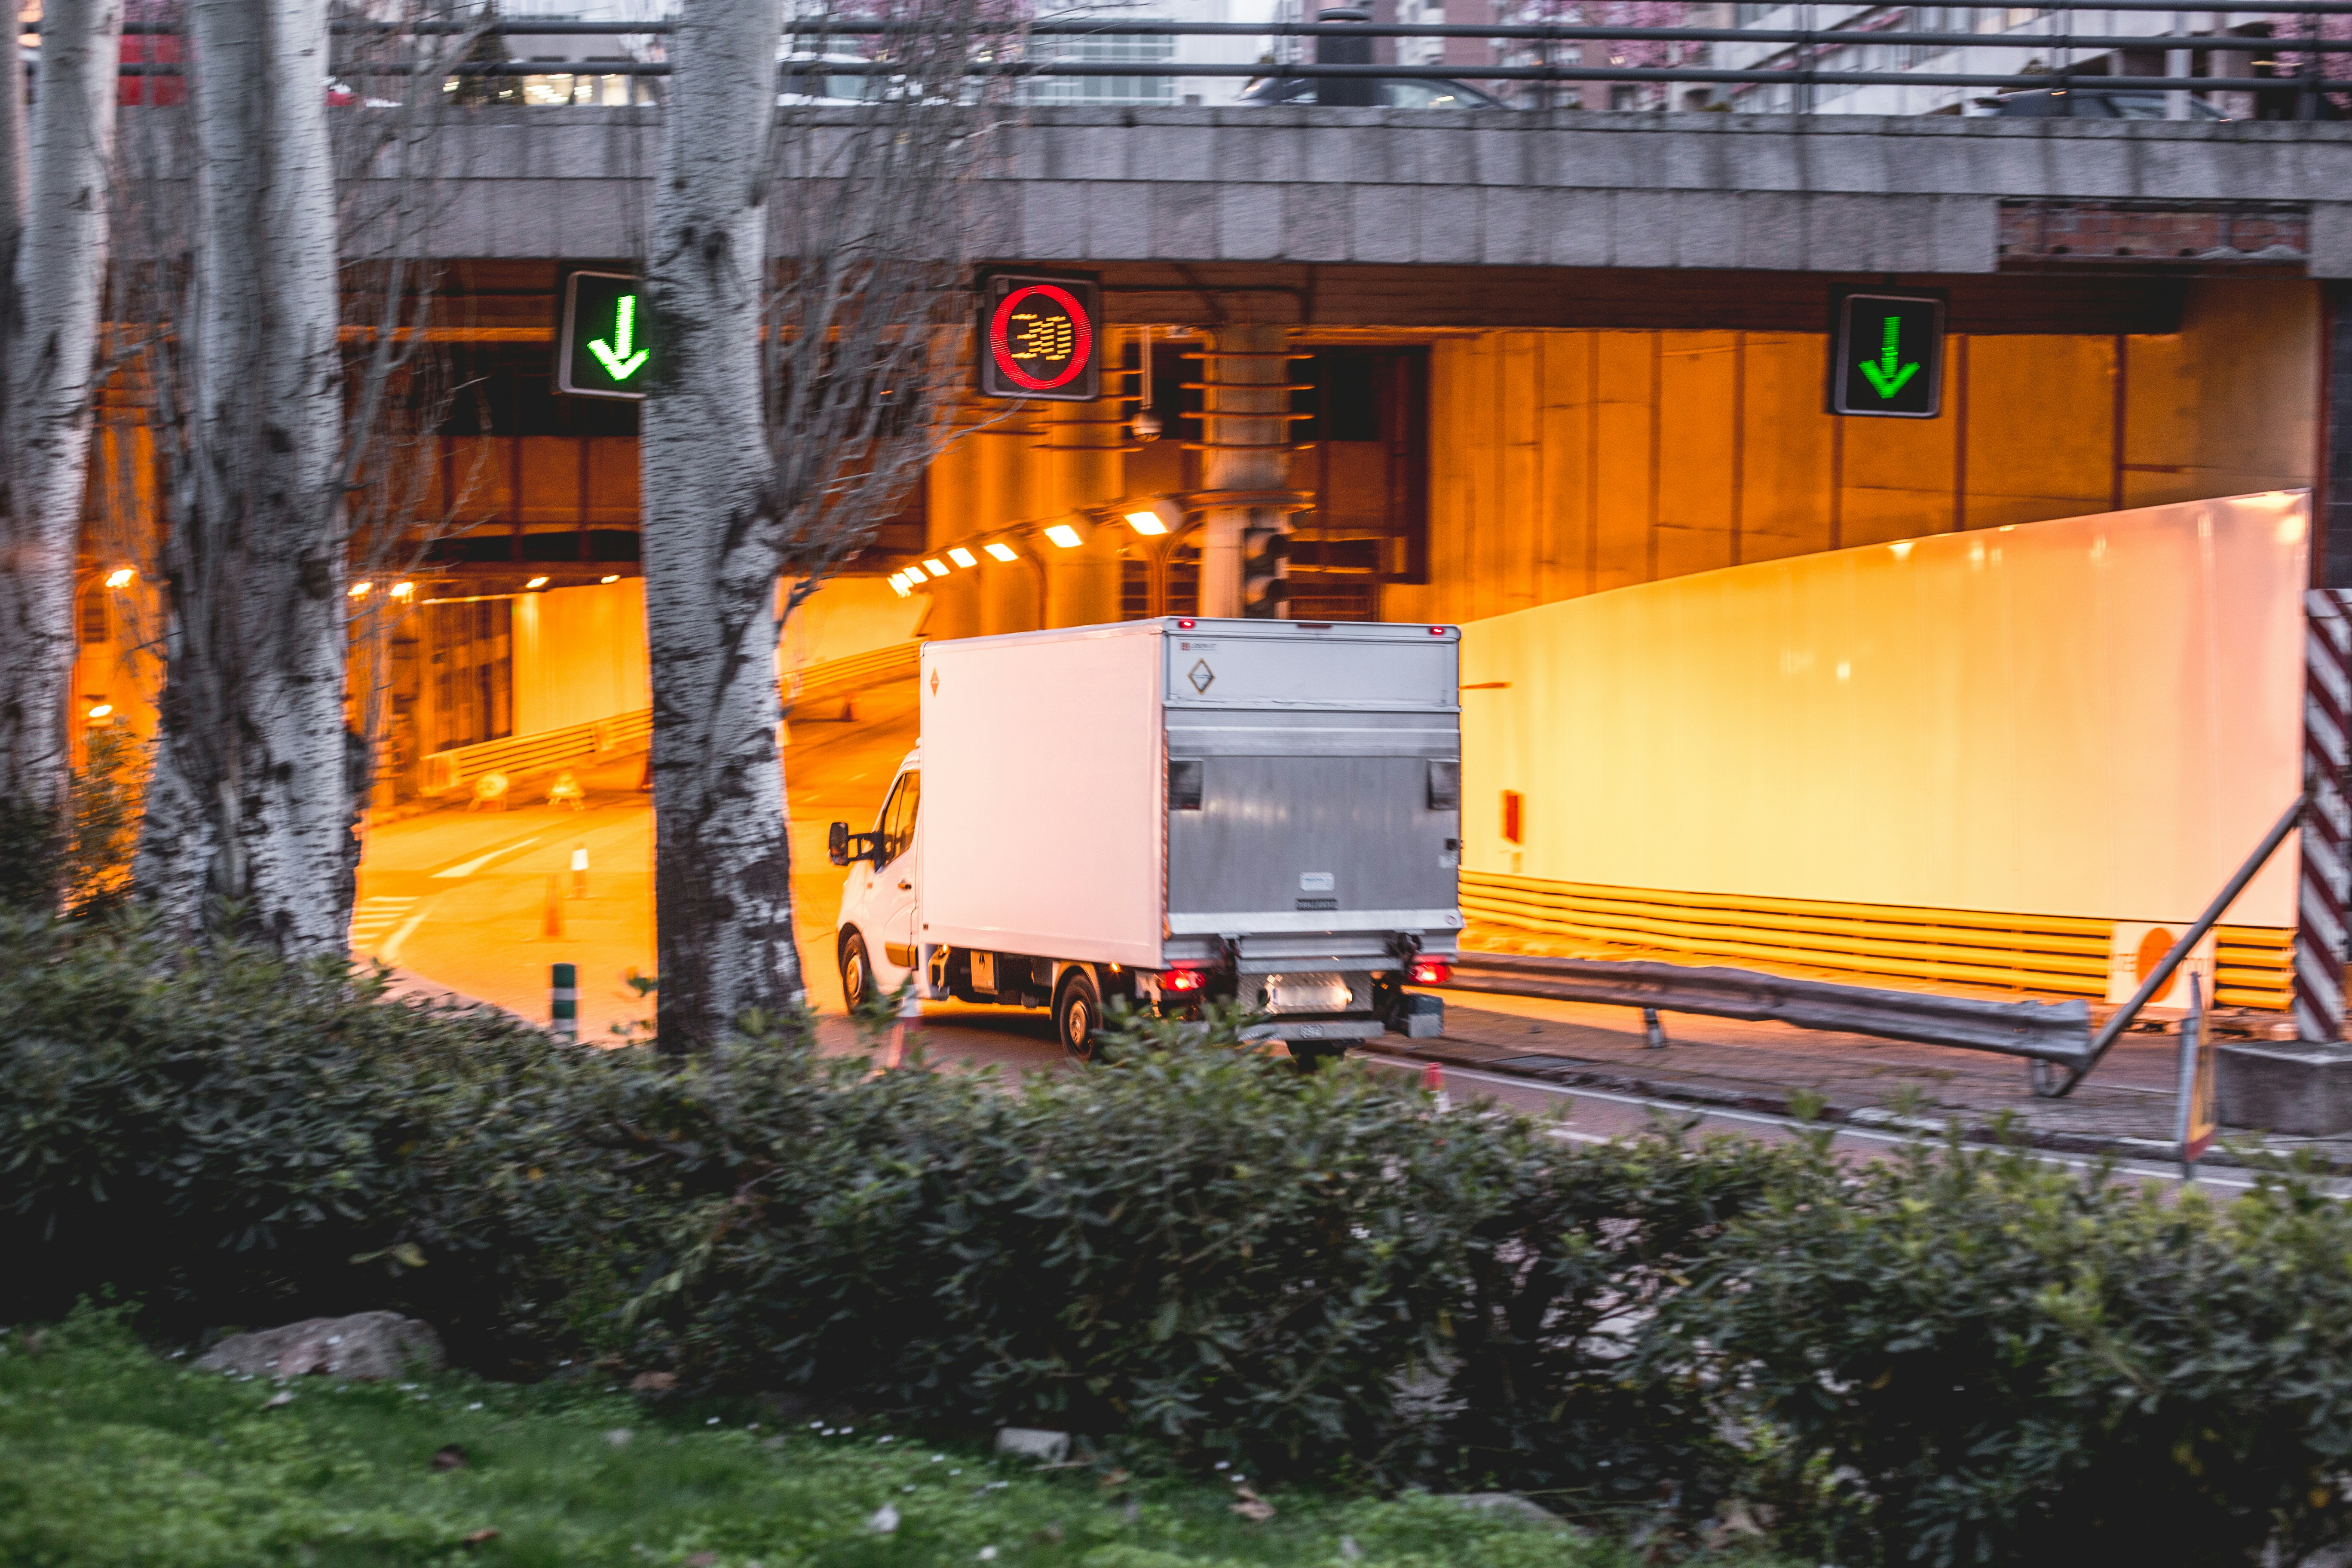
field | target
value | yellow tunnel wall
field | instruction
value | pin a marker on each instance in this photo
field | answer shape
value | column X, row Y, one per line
column 1566, row 462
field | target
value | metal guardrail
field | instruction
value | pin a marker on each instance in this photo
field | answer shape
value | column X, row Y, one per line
column 2304, row 79
column 544, row 748
column 852, row 672
column 537, row 751
column 2055, row 1032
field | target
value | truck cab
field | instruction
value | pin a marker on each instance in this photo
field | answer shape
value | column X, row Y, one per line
column 875, row 940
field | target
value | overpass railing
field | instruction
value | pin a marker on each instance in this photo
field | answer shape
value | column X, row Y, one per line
column 2288, row 55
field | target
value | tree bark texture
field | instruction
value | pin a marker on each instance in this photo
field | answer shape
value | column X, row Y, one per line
column 54, row 197
column 723, row 878
column 253, row 793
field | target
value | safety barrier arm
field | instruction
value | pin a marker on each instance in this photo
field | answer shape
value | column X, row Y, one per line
column 2044, row 1082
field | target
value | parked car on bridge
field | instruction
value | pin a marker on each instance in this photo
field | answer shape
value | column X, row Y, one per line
column 1387, row 92
column 2090, row 103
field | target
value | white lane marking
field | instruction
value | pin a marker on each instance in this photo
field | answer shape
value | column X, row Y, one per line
column 373, row 916
column 390, row 950
column 468, row 867
column 2082, row 1162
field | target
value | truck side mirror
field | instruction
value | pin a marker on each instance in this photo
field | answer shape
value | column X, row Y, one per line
column 837, row 844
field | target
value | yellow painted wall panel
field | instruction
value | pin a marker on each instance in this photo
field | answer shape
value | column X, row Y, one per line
column 579, row 656
column 1898, row 474
column 1519, row 473
column 1567, row 429
column 1785, row 449
column 2227, row 404
column 2094, row 716
column 1697, row 373
column 1625, row 467
column 2041, row 427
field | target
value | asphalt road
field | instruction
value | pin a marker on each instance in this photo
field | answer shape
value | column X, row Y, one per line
column 461, row 900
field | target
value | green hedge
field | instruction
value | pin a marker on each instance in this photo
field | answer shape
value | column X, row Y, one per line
column 1195, row 1255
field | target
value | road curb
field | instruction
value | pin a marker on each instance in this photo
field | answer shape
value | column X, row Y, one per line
column 1870, row 1117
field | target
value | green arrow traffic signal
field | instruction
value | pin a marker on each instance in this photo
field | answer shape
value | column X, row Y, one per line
column 1882, row 376
column 603, row 349
column 620, row 364
column 1885, row 354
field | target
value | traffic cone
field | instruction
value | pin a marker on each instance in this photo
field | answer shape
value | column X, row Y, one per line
column 1433, row 1081
column 552, row 924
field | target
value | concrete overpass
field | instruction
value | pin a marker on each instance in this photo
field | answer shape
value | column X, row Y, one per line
column 1385, row 188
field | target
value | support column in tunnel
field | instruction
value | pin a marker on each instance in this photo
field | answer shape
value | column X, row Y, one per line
column 1245, row 459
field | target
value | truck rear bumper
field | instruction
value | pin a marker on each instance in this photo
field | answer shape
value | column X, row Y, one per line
column 1317, row 1029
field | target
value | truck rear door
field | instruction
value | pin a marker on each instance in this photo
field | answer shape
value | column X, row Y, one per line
column 1314, row 779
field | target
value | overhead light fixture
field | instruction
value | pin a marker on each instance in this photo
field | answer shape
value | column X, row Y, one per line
column 898, row 585
column 359, row 590
column 1150, row 515
column 1001, row 550
column 1062, row 535
column 613, row 578
column 101, row 710
column 403, row 590
column 120, row 577
column 964, row 557
column 536, row 583
column 936, row 568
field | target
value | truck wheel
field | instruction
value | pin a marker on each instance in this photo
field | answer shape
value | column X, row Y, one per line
column 856, row 973
column 1078, row 1015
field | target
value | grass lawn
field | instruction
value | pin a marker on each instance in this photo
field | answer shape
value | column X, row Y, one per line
column 111, row 1457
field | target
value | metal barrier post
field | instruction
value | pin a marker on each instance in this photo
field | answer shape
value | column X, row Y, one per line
column 2324, row 886
column 563, row 1001
column 2193, row 1124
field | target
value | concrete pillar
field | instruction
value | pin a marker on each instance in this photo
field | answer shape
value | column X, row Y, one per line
column 1245, row 523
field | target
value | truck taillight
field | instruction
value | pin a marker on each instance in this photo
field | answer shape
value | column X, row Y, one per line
column 1183, row 980
column 1431, row 972
column 1186, row 624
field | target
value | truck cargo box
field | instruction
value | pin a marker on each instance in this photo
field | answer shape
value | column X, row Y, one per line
column 1156, row 791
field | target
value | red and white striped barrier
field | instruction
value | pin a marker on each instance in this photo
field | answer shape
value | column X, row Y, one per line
column 2325, row 887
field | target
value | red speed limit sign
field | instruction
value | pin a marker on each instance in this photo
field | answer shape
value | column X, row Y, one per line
column 1040, row 336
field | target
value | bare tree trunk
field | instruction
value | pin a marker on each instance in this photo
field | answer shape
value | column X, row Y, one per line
column 252, row 796
column 722, row 876
column 51, row 273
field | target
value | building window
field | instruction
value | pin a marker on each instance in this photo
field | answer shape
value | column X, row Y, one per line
column 94, row 618
column 1110, row 88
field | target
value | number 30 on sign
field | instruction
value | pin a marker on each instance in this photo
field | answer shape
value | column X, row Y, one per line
column 1040, row 336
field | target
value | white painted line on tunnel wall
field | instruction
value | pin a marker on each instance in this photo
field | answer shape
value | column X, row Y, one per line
column 468, row 867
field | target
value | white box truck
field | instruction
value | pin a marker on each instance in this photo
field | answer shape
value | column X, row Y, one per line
column 1169, row 811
